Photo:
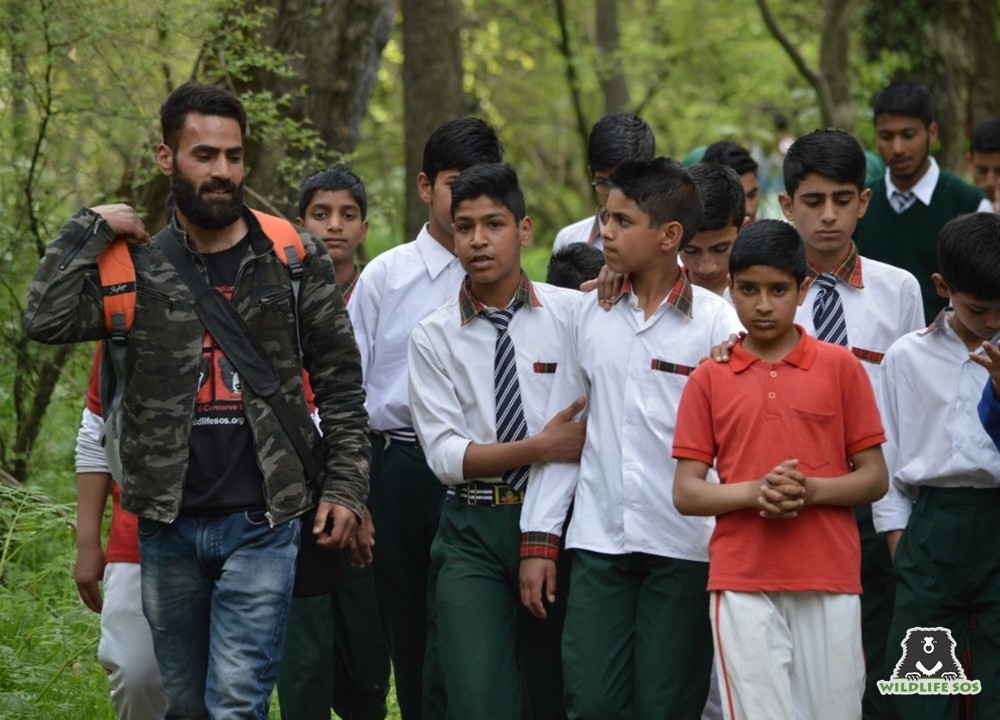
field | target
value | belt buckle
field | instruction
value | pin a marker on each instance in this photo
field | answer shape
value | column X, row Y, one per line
column 504, row 494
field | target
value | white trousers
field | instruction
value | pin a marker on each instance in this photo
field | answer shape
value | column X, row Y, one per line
column 126, row 647
column 788, row 655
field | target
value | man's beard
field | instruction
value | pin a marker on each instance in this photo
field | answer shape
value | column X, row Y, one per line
column 204, row 214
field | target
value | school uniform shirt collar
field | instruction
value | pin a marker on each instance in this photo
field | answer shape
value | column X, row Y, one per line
column 470, row 307
column 681, row 296
column 941, row 325
column 802, row 355
column 924, row 188
column 848, row 271
column 436, row 258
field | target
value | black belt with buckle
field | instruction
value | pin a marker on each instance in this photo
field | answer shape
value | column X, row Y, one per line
column 488, row 494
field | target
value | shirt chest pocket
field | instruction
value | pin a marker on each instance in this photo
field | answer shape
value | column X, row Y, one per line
column 812, row 438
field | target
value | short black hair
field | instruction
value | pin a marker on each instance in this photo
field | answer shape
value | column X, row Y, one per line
column 663, row 190
column 497, row 181
column 721, row 193
column 333, row 179
column 570, row 266
column 770, row 243
column 729, row 153
column 986, row 136
column 618, row 137
column 210, row 100
column 460, row 144
column 968, row 255
column 832, row 153
column 904, row 97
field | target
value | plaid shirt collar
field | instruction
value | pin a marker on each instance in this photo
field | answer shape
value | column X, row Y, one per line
column 849, row 271
column 681, row 296
column 470, row 307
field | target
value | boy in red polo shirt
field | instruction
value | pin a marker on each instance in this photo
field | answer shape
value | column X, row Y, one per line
column 794, row 430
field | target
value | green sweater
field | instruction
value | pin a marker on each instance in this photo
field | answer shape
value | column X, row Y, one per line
column 909, row 240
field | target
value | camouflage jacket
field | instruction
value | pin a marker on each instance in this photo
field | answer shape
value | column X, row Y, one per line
column 163, row 353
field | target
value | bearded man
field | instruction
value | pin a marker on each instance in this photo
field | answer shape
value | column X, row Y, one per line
column 214, row 477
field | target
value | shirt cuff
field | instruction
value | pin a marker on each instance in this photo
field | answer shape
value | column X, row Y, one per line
column 539, row 545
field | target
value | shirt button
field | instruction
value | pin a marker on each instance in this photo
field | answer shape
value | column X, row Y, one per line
column 774, row 373
column 771, row 395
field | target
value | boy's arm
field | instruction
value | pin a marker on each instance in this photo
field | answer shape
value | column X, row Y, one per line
column 867, row 482
column 891, row 512
column 694, row 495
column 93, row 483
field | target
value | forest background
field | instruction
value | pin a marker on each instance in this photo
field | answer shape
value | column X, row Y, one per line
column 365, row 82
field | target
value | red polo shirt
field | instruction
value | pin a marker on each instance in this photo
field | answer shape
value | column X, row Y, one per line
column 748, row 415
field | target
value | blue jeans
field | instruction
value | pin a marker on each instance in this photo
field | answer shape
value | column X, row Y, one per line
column 216, row 592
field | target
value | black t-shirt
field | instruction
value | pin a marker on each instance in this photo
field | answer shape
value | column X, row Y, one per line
column 223, row 475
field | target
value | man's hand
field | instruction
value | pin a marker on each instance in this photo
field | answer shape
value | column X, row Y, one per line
column 343, row 521
column 782, row 492
column 720, row 353
column 563, row 435
column 538, row 580
column 991, row 361
column 124, row 222
column 363, row 541
column 88, row 572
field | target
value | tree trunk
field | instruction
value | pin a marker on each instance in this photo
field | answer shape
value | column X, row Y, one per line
column 609, row 65
column 984, row 94
column 432, row 86
column 950, row 78
column 834, row 63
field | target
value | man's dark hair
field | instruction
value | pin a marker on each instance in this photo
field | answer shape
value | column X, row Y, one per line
column 769, row 243
column 574, row 264
column 497, row 181
column 721, row 196
column 986, row 136
column 904, row 97
column 618, row 137
column 333, row 179
column 663, row 190
column 832, row 153
column 729, row 153
column 202, row 99
column 968, row 255
column 460, row 144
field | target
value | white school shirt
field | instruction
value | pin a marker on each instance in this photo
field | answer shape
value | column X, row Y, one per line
column 623, row 486
column 929, row 393
column 924, row 190
column 886, row 308
column 451, row 374
column 579, row 232
column 395, row 291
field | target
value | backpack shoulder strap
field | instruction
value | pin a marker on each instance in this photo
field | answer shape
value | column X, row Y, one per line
column 286, row 240
column 117, row 276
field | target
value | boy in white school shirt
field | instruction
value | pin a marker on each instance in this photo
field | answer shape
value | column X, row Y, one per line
column 395, row 291
column 943, row 506
column 824, row 197
column 466, row 381
column 637, row 642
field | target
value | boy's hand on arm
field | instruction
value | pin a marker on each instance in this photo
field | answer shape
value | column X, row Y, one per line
column 608, row 284
column 562, row 437
column 720, row 352
column 990, row 359
column 538, row 583
column 92, row 491
column 334, row 526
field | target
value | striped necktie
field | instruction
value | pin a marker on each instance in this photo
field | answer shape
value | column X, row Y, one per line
column 828, row 312
column 902, row 200
column 509, row 411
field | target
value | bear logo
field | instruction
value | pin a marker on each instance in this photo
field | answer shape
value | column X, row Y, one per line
column 928, row 654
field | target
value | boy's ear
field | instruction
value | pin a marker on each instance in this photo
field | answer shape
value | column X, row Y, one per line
column 165, row 159
column 425, row 187
column 785, row 200
column 932, row 133
column 804, row 289
column 863, row 199
column 364, row 231
column 670, row 236
column 746, row 221
column 525, row 231
column 941, row 285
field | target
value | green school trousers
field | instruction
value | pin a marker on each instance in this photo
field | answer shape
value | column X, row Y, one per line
column 405, row 502
column 947, row 570
column 637, row 644
column 500, row 662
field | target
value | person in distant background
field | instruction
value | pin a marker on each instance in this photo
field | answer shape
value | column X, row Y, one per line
column 984, row 158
